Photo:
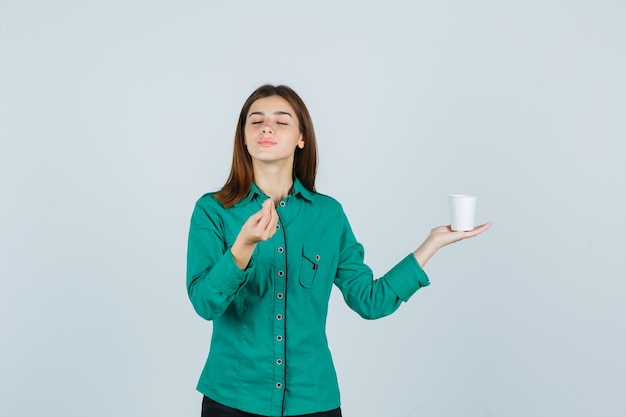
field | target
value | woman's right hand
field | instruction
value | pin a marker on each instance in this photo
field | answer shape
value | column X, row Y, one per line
column 259, row 227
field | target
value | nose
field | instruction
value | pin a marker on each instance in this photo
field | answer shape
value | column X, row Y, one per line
column 267, row 129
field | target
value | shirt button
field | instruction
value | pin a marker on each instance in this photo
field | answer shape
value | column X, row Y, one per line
column 279, row 295
column 279, row 385
column 279, row 338
column 279, row 316
column 277, row 226
column 283, row 204
column 279, row 361
column 281, row 250
column 317, row 257
column 281, row 273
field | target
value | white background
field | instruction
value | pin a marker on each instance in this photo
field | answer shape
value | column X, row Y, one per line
column 115, row 116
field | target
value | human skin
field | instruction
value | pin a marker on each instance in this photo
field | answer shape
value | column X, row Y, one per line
column 272, row 134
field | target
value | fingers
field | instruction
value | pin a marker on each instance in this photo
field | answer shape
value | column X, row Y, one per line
column 274, row 219
column 479, row 229
column 261, row 226
column 466, row 233
column 444, row 235
column 266, row 214
column 270, row 218
column 476, row 231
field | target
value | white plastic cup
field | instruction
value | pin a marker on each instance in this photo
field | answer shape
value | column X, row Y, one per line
column 462, row 211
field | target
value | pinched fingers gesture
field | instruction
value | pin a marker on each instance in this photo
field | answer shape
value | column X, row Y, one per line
column 261, row 225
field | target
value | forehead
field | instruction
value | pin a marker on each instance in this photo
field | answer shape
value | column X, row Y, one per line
column 272, row 104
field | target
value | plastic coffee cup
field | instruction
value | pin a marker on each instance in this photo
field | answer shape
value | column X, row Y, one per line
column 462, row 211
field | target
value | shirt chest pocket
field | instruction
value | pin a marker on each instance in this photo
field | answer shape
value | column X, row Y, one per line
column 316, row 265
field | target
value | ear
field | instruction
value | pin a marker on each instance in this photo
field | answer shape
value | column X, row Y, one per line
column 301, row 142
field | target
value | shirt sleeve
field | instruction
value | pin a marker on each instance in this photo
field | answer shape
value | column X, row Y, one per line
column 213, row 278
column 374, row 298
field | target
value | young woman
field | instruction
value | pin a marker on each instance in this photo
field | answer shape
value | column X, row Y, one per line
column 263, row 255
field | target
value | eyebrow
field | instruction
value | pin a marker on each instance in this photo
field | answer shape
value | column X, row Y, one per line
column 276, row 113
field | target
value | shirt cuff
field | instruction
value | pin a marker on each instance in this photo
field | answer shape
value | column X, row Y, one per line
column 407, row 277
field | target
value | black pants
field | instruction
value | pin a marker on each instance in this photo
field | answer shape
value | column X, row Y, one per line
column 211, row 408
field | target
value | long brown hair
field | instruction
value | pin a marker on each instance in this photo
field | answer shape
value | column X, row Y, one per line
column 241, row 175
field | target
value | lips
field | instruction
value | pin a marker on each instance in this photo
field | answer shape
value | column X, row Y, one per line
column 266, row 142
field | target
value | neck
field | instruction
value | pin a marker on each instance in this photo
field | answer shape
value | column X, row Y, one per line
column 275, row 182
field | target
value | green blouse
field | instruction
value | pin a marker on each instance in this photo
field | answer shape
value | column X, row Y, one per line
column 269, row 353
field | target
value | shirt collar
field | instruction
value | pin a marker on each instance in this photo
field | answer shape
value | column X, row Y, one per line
column 298, row 189
column 254, row 190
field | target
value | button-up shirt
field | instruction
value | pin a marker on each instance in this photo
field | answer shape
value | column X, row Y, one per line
column 269, row 353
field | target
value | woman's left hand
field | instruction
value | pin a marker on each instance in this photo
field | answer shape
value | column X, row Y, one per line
column 442, row 236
